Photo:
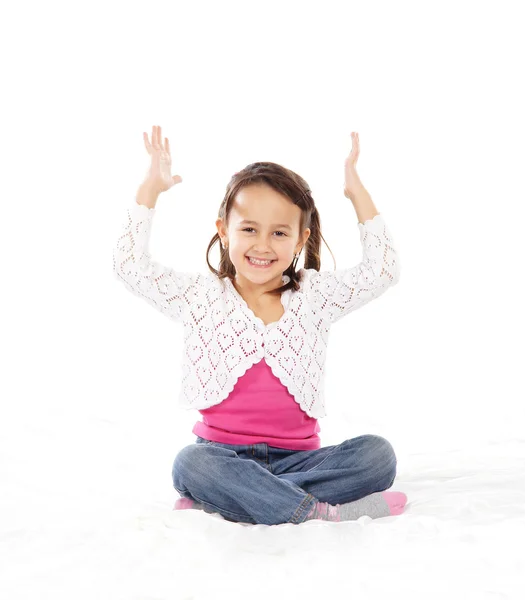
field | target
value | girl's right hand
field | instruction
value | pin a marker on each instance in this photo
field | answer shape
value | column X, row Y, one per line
column 159, row 175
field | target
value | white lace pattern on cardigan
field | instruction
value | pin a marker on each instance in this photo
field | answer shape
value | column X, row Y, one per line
column 223, row 337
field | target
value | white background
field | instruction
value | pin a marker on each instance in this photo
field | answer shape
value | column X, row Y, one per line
column 89, row 426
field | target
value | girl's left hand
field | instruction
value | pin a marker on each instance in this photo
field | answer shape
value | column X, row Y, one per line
column 352, row 182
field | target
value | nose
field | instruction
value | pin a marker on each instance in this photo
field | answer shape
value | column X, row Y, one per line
column 262, row 245
column 262, row 250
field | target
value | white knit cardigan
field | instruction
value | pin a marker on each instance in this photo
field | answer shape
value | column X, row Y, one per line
column 223, row 337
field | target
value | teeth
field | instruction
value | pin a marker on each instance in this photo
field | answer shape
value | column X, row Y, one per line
column 259, row 262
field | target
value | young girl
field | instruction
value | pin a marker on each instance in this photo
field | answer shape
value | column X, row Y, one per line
column 255, row 338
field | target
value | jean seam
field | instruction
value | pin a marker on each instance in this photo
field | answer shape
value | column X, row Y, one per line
column 303, row 507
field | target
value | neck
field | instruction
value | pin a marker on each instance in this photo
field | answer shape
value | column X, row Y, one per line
column 256, row 291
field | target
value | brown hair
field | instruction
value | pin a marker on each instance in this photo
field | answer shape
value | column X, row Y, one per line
column 289, row 184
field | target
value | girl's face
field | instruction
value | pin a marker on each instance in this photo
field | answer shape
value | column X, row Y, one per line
column 272, row 235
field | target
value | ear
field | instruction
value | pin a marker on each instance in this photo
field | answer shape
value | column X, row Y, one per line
column 305, row 237
column 221, row 229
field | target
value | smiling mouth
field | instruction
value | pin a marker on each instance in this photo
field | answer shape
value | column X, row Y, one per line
column 265, row 265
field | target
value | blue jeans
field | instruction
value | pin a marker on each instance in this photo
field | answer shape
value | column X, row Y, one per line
column 261, row 484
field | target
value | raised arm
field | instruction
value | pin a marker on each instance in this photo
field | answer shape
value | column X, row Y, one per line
column 342, row 291
column 167, row 290
column 345, row 290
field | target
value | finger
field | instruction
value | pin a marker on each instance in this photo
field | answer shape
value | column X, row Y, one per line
column 146, row 141
column 167, row 145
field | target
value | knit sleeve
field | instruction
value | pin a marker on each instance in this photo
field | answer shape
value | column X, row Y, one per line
column 166, row 290
column 342, row 291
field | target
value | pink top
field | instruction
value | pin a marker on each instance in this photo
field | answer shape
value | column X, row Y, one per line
column 259, row 409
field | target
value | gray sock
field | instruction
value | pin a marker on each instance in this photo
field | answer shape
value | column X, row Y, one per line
column 374, row 506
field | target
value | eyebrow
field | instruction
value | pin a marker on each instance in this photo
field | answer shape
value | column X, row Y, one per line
column 282, row 225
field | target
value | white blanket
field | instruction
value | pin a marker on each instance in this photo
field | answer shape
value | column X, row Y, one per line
column 86, row 512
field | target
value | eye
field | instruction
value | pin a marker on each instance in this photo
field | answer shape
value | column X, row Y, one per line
column 251, row 228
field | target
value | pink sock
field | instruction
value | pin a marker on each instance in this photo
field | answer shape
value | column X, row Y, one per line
column 396, row 501
column 186, row 503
